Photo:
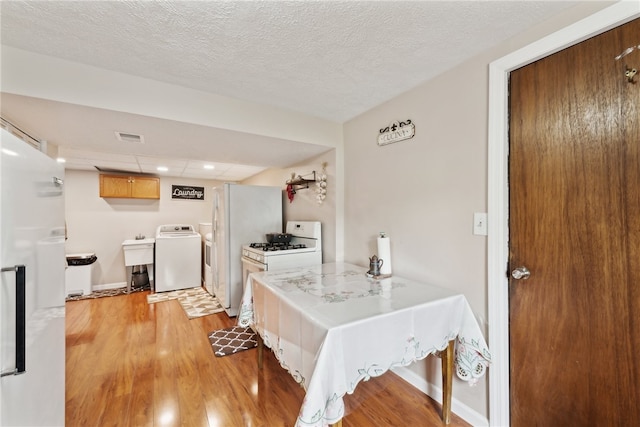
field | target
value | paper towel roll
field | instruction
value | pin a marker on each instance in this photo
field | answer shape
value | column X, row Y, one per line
column 384, row 253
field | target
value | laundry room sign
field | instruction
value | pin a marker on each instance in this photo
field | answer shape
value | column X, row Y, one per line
column 186, row 192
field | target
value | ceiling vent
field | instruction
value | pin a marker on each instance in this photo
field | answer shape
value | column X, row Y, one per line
column 130, row 137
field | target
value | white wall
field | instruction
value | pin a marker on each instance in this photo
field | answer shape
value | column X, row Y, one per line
column 101, row 225
column 304, row 206
column 423, row 192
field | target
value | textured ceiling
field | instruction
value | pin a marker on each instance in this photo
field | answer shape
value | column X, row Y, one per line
column 329, row 59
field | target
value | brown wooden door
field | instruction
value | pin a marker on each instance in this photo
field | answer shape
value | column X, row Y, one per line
column 574, row 185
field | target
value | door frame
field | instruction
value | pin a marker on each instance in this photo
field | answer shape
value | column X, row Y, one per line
column 498, row 186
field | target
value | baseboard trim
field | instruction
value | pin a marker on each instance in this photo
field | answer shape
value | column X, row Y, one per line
column 460, row 409
column 108, row 286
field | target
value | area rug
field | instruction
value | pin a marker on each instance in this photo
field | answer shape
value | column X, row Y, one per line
column 196, row 302
column 232, row 340
column 106, row 293
column 167, row 296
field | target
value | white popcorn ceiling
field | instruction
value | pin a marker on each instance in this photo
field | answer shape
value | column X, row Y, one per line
column 332, row 59
column 329, row 59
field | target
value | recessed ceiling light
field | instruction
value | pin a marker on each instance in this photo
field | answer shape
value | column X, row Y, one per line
column 162, row 168
column 61, row 160
column 209, row 167
column 9, row 152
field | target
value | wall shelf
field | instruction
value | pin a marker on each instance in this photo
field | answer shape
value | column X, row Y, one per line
column 302, row 182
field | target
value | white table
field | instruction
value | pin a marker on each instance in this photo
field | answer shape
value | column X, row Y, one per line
column 331, row 327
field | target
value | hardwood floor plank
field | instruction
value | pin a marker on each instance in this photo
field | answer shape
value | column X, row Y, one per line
column 130, row 363
column 141, row 405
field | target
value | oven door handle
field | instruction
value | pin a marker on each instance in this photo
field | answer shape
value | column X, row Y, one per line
column 254, row 263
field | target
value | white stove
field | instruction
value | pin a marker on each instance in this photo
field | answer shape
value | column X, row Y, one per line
column 305, row 248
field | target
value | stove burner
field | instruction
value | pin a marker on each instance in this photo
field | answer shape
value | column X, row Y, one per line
column 277, row 246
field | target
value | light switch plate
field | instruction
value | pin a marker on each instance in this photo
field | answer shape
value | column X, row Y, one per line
column 480, row 223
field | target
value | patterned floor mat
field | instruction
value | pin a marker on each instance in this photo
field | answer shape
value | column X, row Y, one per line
column 232, row 340
column 167, row 296
column 106, row 293
column 196, row 302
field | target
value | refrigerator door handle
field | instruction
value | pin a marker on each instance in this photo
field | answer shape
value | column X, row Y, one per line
column 21, row 318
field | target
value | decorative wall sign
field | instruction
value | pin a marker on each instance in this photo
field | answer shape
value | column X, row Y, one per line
column 396, row 131
column 187, row 192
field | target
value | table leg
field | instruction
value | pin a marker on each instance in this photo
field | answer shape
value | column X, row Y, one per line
column 260, row 350
column 447, row 356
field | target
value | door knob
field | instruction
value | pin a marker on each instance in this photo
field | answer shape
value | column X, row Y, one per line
column 521, row 273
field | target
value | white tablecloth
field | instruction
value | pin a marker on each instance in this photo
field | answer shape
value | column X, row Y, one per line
column 331, row 327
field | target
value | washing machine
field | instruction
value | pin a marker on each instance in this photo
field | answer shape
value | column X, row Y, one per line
column 178, row 257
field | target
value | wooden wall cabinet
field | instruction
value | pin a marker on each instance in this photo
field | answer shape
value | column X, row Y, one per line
column 131, row 187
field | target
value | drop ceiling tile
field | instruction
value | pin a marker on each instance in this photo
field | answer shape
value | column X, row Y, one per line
column 124, row 166
column 177, row 164
column 202, row 172
column 153, row 169
column 199, row 164
column 94, row 155
column 88, row 160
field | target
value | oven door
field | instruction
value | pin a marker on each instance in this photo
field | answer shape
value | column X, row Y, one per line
column 250, row 266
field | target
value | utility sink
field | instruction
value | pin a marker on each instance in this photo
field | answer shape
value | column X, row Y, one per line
column 138, row 252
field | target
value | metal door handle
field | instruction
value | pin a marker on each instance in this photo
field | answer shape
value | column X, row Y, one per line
column 521, row 273
column 21, row 320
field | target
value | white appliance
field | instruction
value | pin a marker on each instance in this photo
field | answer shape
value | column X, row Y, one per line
column 304, row 249
column 208, row 271
column 178, row 255
column 32, row 298
column 204, row 228
column 241, row 214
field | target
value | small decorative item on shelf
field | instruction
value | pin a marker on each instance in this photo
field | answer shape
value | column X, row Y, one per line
column 321, row 185
column 299, row 182
column 291, row 192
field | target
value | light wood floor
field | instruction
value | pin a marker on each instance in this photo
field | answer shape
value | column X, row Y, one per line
column 130, row 363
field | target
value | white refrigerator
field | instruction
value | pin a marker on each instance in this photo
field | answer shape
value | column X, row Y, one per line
column 242, row 214
column 32, row 234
